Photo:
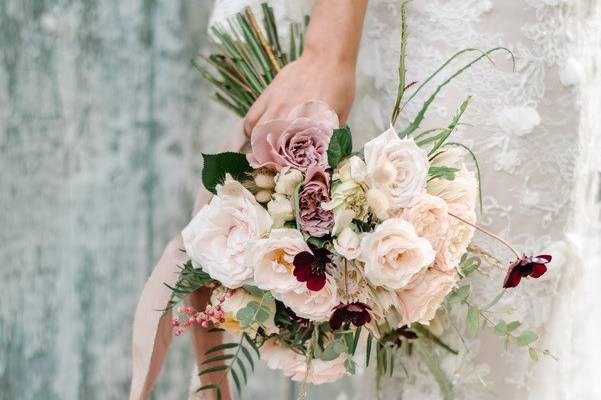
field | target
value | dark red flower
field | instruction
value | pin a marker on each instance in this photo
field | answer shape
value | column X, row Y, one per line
column 533, row 267
column 312, row 267
column 356, row 313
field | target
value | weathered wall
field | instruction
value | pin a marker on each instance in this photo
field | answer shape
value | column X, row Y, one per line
column 101, row 124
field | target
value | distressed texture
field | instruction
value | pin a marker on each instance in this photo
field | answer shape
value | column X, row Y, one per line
column 101, row 124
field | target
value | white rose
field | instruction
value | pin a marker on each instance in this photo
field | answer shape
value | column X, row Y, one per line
column 396, row 167
column 422, row 297
column 287, row 180
column 294, row 365
column 430, row 218
column 280, row 209
column 393, row 253
column 348, row 244
column 235, row 302
column 312, row 305
column 218, row 236
column 272, row 258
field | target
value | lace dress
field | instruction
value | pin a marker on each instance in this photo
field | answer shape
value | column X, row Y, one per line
column 535, row 131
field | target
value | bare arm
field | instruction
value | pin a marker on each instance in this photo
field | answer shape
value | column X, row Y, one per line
column 326, row 69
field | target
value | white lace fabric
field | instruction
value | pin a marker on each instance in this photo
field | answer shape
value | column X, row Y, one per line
column 536, row 133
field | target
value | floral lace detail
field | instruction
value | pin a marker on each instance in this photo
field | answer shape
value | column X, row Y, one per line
column 524, row 129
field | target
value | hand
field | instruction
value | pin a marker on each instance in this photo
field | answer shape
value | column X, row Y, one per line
column 311, row 77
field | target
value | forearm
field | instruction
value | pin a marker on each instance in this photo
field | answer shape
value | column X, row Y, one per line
column 335, row 30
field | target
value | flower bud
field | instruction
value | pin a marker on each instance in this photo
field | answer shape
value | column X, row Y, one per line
column 280, row 209
column 287, row 180
column 347, row 244
column 263, row 196
column 378, row 203
column 264, row 181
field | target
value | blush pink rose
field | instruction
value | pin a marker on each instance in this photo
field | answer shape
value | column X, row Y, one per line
column 300, row 141
column 423, row 296
column 314, row 219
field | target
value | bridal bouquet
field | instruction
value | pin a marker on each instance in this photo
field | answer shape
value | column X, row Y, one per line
column 316, row 251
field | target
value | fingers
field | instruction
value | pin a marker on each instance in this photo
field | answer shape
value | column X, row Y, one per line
column 254, row 115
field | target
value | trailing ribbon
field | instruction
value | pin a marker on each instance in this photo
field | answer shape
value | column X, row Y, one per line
column 152, row 331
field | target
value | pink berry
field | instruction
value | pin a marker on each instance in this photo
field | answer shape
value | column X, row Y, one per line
column 210, row 313
column 174, row 322
column 217, row 307
column 221, row 298
column 181, row 309
column 204, row 324
column 178, row 332
column 189, row 310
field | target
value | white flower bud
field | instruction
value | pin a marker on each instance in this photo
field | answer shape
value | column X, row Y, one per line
column 378, row 203
column 352, row 168
column 280, row 209
column 263, row 196
column 287, row 180
column 384, row 173
column 347, row 244
column 264, row 181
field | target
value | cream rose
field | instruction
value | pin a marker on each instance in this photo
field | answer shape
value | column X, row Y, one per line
column 460, row 192
column 272, row 258
column 313, row 305
column 393, row 254
column 218, row 236
column 422, row 297
column 430, row 218
column 397, row 168
column 459, row 235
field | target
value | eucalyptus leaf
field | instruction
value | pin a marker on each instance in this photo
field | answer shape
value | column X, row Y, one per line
column 458, row 295
column 473, row 321
column 533, row 354
column 526, row 338
column 513, row 325
column 501, row 328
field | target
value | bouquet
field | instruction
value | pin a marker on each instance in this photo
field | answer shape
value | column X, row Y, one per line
column 316, row 251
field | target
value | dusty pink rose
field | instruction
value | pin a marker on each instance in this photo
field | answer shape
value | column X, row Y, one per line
column 300, row 141
column 315, row 220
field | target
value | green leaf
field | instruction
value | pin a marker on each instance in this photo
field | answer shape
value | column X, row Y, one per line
column 402, row 70
column 215, row 166
column 355, row 341
column 242, row 367
column 442, row 172
column 255, row 291
column 526, row 338
column 501, row 329
column 370, row 338
column 469, row 264
column 473, row 321
column 216, row 368
column 513, row 325
column 223, row 346
column 422, row 331
column 236, row 381
column 248, row 357
column 433, row 363
column 478, row 176
column 214, row 387
column 341, row 146
column 333, row 350
column 252, row 344
column 350, row 366
column 533, row 354
column 458, row 295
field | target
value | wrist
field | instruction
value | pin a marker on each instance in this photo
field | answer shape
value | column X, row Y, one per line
column 329, row 54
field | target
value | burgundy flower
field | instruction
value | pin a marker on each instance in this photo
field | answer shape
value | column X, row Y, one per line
column 533, row 267
column 312, row 267
column 315, row 191
column 356, row 313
